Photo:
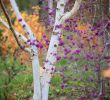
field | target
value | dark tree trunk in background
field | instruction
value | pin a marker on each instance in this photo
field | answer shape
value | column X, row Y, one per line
column 105, row 4
column 109, row 7
column 6, row 1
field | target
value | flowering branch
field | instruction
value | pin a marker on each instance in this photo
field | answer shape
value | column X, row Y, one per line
column 21, row 21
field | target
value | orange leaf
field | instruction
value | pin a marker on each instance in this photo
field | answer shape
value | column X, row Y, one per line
column 106, row 73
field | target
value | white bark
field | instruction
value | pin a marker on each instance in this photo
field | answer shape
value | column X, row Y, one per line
column 49, row 65
column 51, row 18
column 17, row 33
column 34, row 51
column 36, row 78
column 51, row 58
column 71, row 13
column 22, row 22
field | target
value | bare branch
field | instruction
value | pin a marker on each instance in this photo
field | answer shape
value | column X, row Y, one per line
column 74, row 10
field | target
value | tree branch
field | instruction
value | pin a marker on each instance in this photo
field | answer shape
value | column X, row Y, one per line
column 22, row 21
column 74, row 10
column 10, row 24
column 17, row 33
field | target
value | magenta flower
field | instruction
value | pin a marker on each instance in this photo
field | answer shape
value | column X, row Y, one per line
column 58, row 58
column 61, row 42
column 20, row 19
column 76, row 51
column 67, row 51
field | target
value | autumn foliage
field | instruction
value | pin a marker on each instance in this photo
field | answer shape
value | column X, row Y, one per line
column 33, row 21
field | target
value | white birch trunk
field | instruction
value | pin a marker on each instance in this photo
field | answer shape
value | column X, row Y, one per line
column 51, row 58
column 71, row 13
column 36, row 78
column 48, row 65
column 34, row 52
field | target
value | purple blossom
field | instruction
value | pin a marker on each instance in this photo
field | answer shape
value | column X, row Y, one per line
column 62, row 85
column 70, row 37
column 61, row 42
column 28, row 33
column 75, row 30
column 23, row 47
column 77, row 51
column 52, row 13
column 67, row 51
column 46, row 8
column 81, row 45
column 28, row 40
column 97, row 68
column 89, row 56
column 32, row 43
column 106, row 57
column 47, row 41
column 67, row 28
column 58, row 26
column 99, row 33
column 49, row 82
column 74, row 59
column 65, row 57
column 67, row 20
column 58, row 58
column 82, row 98
column 93, row 28
column 39, row 45
column 44, row 36
column 94, row 46
column 75, row 25
column 52, row 68
column 73, row 43
column 108, row 25
column 24, row 25
column 20, row 19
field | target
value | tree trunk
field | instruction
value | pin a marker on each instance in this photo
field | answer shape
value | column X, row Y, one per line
column 105, row 7
column 51, row 58
column 36, row 78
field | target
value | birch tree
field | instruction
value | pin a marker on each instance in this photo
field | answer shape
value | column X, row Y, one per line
column 41, row 82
